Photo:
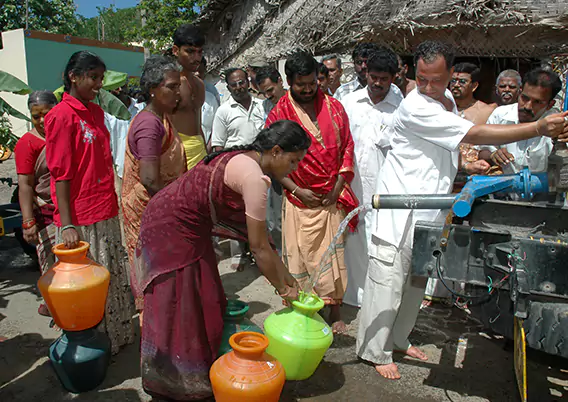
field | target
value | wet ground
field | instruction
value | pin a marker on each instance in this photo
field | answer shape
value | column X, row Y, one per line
column 481, row 369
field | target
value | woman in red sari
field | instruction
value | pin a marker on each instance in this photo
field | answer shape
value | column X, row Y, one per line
column 176, row 268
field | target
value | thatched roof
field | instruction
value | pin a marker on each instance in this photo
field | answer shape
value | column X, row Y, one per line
column 241, row 29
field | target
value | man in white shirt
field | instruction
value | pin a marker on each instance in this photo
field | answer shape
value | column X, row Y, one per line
column 536, row 100
column 270, row 84
column 211, row 104
column 370, row 112
column 423, row 160
column 238, row 121
column 118, row 128
column 359, row 56
column 333, row 64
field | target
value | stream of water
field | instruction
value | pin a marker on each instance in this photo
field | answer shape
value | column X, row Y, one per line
column 309, row 287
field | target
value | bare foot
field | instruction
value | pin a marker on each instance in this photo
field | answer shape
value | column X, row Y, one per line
column 413, row 351
column 339, row 327
column 389, row 371
column 425, row 304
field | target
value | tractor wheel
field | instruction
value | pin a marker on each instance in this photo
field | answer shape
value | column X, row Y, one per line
column 546, row 328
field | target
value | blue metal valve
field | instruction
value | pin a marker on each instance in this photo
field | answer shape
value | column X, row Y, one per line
column 524, row 183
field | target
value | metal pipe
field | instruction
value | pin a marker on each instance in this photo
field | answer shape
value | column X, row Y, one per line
column 413, row 201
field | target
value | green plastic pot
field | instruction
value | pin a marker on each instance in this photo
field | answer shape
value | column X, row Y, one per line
column 234, row 321
column 299, row 338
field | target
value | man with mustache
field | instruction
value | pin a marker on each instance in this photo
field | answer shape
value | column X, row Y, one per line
column 359, row 56
column 270, row 85
column 188, row 50
column 536, row 100
column 464, row 83
column 369, row 111
column 318, row 193
column 425, row 138
column 507, row 88
column 333, row 64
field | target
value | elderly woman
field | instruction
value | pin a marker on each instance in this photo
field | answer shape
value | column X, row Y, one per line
column 154, row 152
column 176, row 270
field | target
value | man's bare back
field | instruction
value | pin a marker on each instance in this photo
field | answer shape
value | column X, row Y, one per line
column 187, row 118
column 478, row 113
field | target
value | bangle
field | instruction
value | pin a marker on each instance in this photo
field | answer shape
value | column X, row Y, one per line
column 285, row 294
column 29, row 223
column 67, row 227
column 294, row 191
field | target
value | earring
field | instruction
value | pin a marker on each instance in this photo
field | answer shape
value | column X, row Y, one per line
column 152, row 95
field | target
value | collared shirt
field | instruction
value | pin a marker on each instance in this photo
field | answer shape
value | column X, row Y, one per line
column 370, row 128
column 533, row 152
column 78, row 151
column 347, row 88
column 118, row 130
column 208, row 111
column 213, row 91
column 267, row 106
column 423, row 160
column 234, row 125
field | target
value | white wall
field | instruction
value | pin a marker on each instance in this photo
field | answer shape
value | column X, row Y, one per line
column 13, row 61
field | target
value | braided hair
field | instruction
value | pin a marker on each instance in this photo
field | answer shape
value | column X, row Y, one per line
column 287, row 134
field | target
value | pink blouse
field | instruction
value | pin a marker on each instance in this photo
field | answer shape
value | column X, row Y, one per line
column 244, row 175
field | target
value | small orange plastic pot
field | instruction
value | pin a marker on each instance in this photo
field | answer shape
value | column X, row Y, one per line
column 75, row 288
column 247, row 373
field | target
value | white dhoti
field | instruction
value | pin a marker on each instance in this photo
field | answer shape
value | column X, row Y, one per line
column 391, row 303
column 357, row 261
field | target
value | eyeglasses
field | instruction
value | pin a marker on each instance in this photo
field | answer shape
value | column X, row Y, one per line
column 461, row 81
column 237, row 84
column 360, row 62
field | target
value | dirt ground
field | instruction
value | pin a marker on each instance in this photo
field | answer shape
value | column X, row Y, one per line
column 481, row 371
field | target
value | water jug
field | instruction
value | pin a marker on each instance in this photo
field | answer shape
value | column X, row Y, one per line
column 247, row 373
column 298, row 337
column 75, row 288
column 80, row 359
column 234, row 321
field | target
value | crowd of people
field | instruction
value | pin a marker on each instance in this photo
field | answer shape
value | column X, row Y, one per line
column 276, row 170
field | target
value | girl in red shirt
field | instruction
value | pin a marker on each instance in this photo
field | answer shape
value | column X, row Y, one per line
column 82, row 185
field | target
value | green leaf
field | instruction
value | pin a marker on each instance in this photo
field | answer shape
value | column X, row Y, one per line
column 6, row 108
column 9, row 83
column 59, row 93
column 114, row 80
column 112, row 105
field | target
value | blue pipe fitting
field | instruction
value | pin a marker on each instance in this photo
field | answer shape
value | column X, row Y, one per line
column 524, row 183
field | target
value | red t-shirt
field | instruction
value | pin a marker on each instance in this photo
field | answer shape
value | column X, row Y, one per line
column 78, row 151
column 26, row 153
column 28, row 148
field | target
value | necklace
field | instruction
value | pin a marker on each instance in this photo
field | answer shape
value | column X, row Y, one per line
column 154, row 113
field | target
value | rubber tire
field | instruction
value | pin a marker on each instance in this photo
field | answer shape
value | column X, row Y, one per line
column 546, row 328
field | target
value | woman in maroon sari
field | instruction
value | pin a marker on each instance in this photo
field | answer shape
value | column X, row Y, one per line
column 175, row 264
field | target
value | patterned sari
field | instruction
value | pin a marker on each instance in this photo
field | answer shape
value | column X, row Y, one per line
column 43, row 211
column 176, row 276
column 134, row 195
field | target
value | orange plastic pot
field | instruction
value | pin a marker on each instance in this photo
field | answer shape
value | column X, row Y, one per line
column 247, row 373
column 75, row 288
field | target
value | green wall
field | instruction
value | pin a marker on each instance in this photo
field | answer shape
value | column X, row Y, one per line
column 46, row 61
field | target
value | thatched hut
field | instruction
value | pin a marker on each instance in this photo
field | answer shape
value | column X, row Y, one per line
column 497, row 34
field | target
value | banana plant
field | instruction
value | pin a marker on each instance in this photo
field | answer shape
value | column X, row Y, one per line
column 106, row 100
column 9, row 83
